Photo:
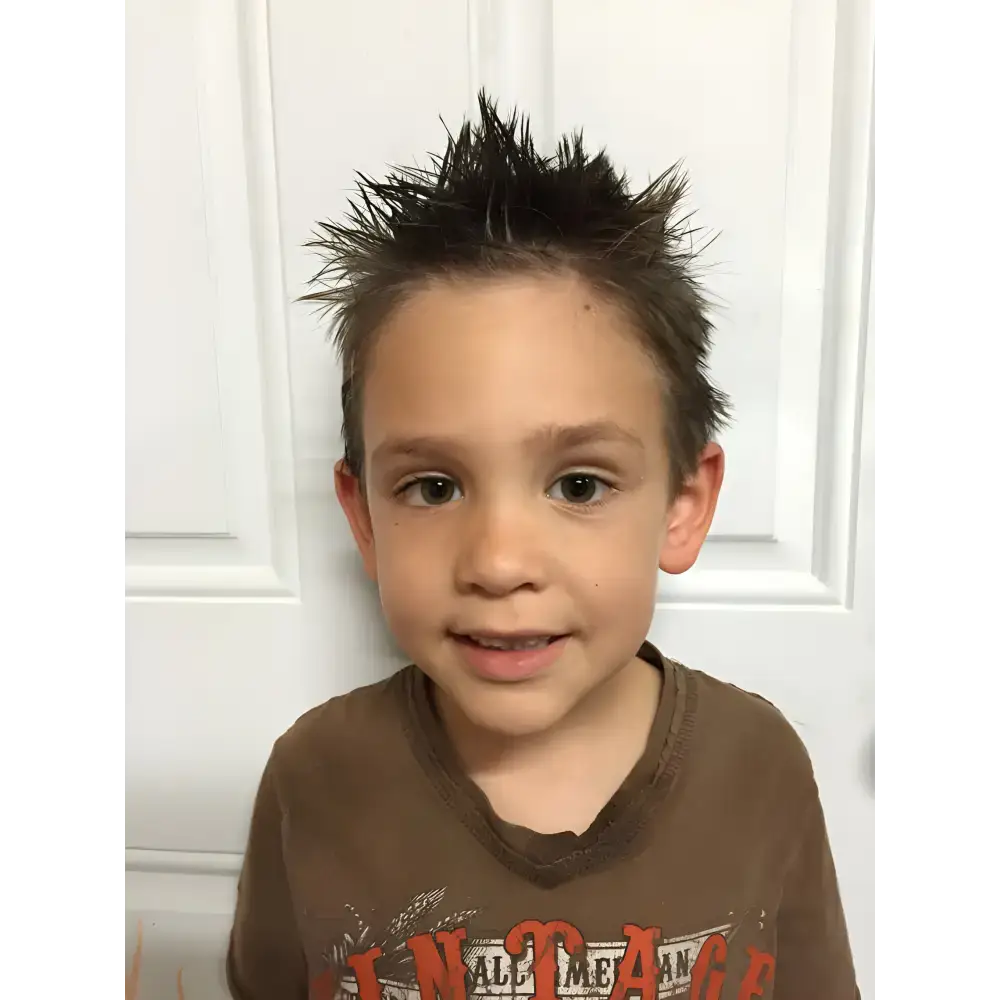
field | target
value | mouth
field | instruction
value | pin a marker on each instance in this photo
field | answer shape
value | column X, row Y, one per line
column 510, row 656
column 511, row 641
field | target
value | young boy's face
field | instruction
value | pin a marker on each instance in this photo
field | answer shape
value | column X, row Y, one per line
column 517, row 495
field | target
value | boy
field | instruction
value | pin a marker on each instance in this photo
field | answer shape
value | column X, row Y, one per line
column 542, row 806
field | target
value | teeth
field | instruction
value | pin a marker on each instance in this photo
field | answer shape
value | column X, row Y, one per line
column 490, row 642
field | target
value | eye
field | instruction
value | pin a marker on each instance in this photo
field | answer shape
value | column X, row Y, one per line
column 429, row 491
column 580, row 489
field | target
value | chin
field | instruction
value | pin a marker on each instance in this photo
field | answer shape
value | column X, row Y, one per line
column 513, row 713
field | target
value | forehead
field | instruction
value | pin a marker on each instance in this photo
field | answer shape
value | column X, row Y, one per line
column 494, row 359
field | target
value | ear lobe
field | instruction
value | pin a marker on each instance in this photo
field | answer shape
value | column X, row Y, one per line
column 692, row 511
column 355, row 506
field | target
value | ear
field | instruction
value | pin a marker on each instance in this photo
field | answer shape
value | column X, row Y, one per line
column 691, row 513
column 352, row 499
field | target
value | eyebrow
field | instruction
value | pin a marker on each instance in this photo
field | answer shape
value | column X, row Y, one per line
column 552, row 437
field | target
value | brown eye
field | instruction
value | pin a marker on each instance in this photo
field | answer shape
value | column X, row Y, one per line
column 430, row 491
column 579, row 488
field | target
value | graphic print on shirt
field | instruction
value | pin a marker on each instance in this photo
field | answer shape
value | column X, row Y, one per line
column 422, row 956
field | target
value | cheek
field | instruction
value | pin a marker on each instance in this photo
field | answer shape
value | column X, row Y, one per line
column 631, row 537
column 618, row 568
column 623, row 580
column 409, row 573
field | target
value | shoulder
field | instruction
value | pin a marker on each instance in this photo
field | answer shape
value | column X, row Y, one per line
column 352, row 734
column 747, row 735
column 344, row 719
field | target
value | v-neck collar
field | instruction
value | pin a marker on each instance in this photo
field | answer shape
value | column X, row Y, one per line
column 551, row 859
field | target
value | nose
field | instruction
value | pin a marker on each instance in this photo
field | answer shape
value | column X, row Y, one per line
column 499, row 552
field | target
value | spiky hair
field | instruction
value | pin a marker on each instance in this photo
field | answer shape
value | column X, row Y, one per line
column 492, row 204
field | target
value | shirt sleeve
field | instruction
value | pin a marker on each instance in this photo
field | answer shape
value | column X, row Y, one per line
column 265, row 959
column 814, row 954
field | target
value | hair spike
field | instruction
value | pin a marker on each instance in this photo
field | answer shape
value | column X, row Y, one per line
column 491, row 202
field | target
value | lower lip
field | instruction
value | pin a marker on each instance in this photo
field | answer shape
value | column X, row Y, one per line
column 509, row 664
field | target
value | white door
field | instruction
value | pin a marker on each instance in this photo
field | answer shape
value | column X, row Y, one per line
column 246, row 603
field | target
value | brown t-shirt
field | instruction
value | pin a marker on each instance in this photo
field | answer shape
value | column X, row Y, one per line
column 374, row 865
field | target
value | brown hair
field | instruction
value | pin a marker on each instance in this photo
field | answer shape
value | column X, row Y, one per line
column 491, row 204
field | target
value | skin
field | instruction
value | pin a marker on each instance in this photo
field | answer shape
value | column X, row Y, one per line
column 486, row 394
